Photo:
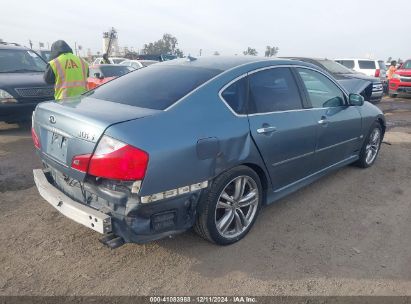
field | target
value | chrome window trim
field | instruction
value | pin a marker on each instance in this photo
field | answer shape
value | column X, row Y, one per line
column 273, row 67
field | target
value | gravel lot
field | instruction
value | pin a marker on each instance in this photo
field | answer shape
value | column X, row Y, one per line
column 346, row 234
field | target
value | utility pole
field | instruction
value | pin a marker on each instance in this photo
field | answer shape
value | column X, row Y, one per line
column 75, row 47
column 201, row 50
column 31, row 44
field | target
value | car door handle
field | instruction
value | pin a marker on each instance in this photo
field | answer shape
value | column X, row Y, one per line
column 266, row 130
column 323, row 121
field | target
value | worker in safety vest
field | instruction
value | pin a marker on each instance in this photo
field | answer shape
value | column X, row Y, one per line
column 66, row 71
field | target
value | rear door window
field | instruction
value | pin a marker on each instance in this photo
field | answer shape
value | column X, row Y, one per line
column 273, row 90
column 366, row 64
column 156, row 87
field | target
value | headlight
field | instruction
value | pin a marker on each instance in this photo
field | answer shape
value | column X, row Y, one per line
column 396, row 76
column 6, row 97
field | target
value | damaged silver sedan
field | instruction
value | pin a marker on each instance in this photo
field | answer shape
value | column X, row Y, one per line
column 200, row 143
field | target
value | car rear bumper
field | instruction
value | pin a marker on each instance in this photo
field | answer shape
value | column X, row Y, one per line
column 134, row 222
column 77, row 212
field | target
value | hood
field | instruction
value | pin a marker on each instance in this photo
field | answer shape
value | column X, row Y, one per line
column 403, row 72
column 22, row 80
column 356, row 76
column 59, row 47
column 353, row 85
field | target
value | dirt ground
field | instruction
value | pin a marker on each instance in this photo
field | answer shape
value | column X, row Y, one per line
column 347, row 234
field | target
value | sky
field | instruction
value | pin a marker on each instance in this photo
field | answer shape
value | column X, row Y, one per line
column 312, row 28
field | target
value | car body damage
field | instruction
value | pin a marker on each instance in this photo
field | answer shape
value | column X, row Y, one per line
column 152, row 169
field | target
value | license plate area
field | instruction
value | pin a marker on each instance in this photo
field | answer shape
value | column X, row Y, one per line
column 57, row 146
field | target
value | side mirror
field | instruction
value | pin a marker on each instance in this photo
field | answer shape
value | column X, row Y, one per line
column 356, row 100
column 98, row 75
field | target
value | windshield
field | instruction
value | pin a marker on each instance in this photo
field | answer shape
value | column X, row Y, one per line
column 20, row 61
column 45, row 55
column 334, row 67
column 156, row 87
column 115, row 70
column 406, row 65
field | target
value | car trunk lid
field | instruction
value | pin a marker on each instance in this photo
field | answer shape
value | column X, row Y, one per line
column 74, row 126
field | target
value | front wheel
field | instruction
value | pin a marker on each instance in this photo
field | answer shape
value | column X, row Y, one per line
column 371, row 147
column 230, row 207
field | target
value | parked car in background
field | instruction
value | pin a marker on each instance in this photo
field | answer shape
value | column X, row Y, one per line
column 200, row 142
column 400, row 82
column 21, row 82
column 138, row 64
column 371, row 88
column 369, row 67
column 159, row 57
column 102, row 73
column 113, row 60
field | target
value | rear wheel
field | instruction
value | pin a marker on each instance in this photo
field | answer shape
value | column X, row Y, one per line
column 371, row 147
column 229, row 209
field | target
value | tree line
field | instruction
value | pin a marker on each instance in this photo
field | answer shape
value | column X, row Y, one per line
column 168, row 44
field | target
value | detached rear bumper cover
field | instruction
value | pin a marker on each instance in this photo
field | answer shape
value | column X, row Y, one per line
column 79, row 213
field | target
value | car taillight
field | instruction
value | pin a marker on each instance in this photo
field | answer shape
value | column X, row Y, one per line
column 81, row 162
column 114, row 159
column 36, row 140
column 377, row 73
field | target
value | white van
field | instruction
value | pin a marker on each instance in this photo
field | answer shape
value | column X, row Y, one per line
column 370, row 67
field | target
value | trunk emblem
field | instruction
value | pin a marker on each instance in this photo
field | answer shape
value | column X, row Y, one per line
column 52, row 119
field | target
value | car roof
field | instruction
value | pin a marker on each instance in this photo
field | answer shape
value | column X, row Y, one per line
column 306, row 58
column 12, row 46
column 223, row 63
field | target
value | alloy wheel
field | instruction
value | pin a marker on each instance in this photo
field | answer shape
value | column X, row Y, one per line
column 371, row 150
column 237, row 206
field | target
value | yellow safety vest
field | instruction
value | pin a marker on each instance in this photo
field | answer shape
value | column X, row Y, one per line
column 71, row 75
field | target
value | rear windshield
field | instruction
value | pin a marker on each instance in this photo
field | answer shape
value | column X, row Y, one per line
column 156, row 87
column 366, row 64
column 115, row 70
column 117, row 60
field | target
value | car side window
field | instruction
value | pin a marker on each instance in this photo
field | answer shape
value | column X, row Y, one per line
column 322, row 92
column 273, row 90
column 236, row 96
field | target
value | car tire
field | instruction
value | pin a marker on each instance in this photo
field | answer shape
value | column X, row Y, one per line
column 229, row 208
column 392, row 95
column 371, row 146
